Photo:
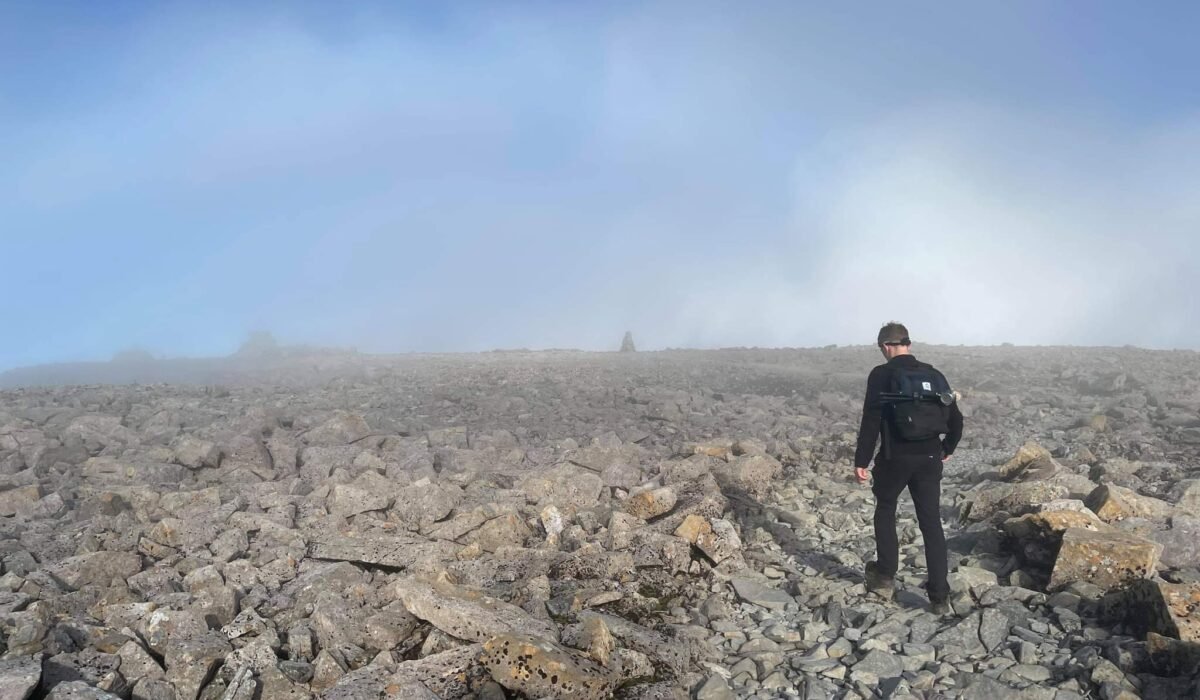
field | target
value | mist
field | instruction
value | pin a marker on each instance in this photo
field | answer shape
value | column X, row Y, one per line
column 475, row 176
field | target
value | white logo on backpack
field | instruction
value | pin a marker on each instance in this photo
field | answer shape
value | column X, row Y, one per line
column 926, row 386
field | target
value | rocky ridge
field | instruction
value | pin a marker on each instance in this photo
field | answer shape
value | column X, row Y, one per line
column 639, row 525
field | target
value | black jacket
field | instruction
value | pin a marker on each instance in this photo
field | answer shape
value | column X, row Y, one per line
column 880, row 381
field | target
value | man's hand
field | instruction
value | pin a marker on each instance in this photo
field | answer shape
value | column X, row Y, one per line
column 862, row 474
column 945, row 458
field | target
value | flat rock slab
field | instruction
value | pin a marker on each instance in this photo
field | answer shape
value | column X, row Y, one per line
column 399, row 550
column 1105, row 559
column 467, row 614
column 754, row 592
column 19, row 676
column 540, row 669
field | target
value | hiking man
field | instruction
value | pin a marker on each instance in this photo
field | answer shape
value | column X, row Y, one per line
column 910, row 405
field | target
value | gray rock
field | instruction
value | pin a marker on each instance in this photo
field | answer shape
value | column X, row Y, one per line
column 468, row 615
column 881, row 664
column 961, row 638
column 78, row 690
column 19, row 676
column 395, row 550
column 754, row 592
column 190, row 662
column 714, row 688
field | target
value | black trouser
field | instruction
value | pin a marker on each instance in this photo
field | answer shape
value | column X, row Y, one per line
column 923, row 477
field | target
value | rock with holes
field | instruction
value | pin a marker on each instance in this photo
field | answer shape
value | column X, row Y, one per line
column 540, row 669
column 651, row 503
column 468, row 614
column 1105, row 559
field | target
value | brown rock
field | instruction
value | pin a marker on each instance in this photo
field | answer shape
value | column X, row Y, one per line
column 1170, row 609
column 1052, row 523
column 1172, row 657
column 541, row 669
column 1015, row 499
column 692, row 527
column 721, row 449
column 1106, row 559
column 651, row 502
column 1032, row 461
column 1112, row 503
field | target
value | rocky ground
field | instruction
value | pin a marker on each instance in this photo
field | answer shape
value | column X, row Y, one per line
column 645, row 525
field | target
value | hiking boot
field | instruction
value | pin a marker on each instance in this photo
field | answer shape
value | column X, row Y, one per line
column 878, row 583
column 938, row 605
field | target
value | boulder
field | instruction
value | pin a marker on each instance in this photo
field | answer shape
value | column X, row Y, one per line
column 540, row 669
column 651, row 503
column 96, row 568
column 22, row 500
column 1169, row 609
column 347, row 500
column 19, row 676
column 194, row 453
column 754, row 474
column 424, row 502
column 1181, row 543
column 400, row 550
column 567, row 486
column 1186, row 495
column 1031, row 462
column 989, row 500
column 468, row 614
column 1113, row 503
column 670, row 658
column 340, row 429
column 756, row 593
column 1105, row 559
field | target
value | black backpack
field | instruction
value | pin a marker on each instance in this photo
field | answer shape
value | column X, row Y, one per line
column 920, row 401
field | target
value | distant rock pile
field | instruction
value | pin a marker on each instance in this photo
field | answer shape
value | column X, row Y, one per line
column 627, row 343
column 523, row 525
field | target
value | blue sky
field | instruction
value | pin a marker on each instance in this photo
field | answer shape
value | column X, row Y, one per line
column 466, row 176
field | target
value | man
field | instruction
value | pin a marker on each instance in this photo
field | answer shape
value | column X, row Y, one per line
column 909, row 404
